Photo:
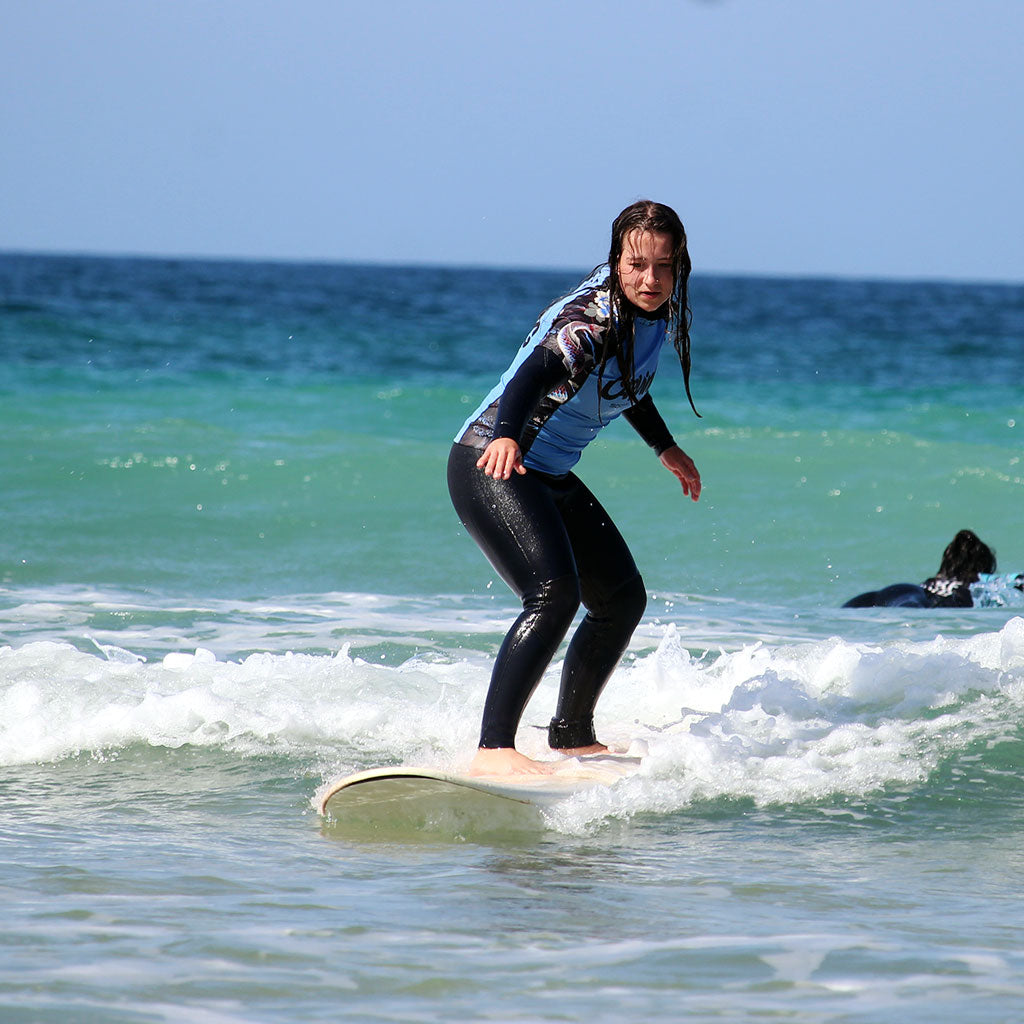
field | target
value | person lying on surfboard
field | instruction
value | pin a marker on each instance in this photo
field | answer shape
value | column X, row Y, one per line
column 590, row 357
column 966, row 578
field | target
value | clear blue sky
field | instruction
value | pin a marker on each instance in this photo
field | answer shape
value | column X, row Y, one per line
column 839, row 137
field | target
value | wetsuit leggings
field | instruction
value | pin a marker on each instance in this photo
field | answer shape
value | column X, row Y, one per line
column 555, row 546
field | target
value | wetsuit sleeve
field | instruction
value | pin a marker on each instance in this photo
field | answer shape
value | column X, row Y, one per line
column 541, row 372
column 645, row 419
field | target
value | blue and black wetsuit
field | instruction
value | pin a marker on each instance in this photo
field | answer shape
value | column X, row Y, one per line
column 544, row 531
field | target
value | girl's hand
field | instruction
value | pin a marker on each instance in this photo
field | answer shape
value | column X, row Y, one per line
column 677, row 462
column 500, row 458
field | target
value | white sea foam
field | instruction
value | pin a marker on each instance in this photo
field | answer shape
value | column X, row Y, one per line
column 805, row 722
column 57, row 701
column 772, row 724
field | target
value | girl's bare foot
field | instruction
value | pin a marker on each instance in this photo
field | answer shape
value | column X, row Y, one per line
column 506, row 761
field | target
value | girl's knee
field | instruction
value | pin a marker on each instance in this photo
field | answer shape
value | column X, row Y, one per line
column 558, row 598
column 628, row 603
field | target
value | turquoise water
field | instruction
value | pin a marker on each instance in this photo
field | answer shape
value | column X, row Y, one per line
column 229, row 573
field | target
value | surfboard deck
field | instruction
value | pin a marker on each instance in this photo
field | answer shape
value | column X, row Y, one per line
column 425, row 796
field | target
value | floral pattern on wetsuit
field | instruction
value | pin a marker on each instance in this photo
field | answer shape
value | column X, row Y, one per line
column 576, row 342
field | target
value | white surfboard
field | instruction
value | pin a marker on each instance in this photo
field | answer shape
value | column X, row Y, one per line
column 424, row 798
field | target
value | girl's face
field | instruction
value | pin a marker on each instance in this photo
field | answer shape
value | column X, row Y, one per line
column 646, row 269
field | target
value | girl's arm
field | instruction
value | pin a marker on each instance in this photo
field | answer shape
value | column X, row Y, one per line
column 646, row 420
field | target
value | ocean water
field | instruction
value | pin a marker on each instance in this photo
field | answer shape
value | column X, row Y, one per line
column 229, row 573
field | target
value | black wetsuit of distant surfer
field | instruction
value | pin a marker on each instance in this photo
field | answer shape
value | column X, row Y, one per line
column 544, row 532
column 933, row 593
column 989, row 590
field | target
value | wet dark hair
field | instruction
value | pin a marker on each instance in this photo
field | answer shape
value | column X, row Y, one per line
column 646, row 215
column 965, row 556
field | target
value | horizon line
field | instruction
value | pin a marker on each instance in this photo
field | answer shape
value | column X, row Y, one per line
column 873, row 277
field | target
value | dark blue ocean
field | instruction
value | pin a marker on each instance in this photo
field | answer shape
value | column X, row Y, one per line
column 229, row 573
